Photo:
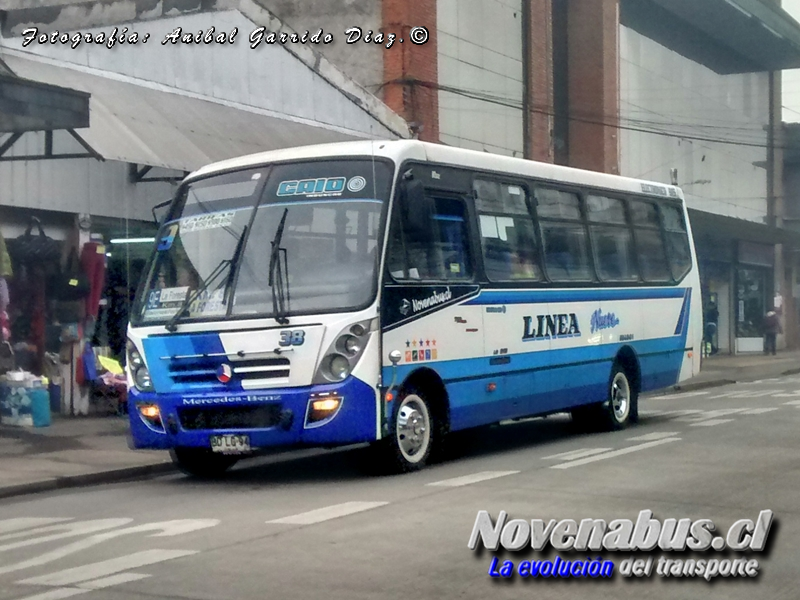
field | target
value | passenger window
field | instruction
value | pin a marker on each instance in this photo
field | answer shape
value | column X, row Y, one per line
column 440, row 255
column 649, row 242
column 565, row 251
column 508, row 236
column 565, row 242
column 677, row 241
column 612, row 241
column 555, row 204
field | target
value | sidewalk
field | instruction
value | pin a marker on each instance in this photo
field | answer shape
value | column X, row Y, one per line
column 721, row 369
column 82, row 451
column 71, row 452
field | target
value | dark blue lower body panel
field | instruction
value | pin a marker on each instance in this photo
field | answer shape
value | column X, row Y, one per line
column 546, row 381
column 355, row 421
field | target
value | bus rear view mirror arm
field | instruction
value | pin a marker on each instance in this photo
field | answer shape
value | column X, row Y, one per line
column 394, row 356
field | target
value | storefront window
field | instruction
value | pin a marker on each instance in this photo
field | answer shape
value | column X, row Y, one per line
column 750, row 301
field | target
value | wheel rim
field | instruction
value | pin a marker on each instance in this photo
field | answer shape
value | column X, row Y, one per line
column 620, row 397
column 413, row 428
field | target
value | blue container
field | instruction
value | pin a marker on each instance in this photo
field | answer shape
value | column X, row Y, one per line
column 40, row 406
column 15, row 404
column 55, row 398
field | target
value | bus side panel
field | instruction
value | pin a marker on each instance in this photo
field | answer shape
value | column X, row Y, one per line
column 524, row 369
column 661, row 360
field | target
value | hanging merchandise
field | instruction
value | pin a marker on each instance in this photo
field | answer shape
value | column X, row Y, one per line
column 71, row 283
column 93, row 261
column 6, row 270
column 5, row 326
column 5, row 298
column 33, row 248
column 7, row 360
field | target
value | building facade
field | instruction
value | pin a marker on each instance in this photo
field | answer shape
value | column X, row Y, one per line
column 677, row 92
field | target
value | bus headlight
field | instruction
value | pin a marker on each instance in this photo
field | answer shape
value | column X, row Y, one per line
column 139, row 372
column 335, row 367
column 349, row 345
column 344, row 352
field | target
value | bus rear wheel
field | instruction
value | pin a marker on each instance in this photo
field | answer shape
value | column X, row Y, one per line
column 200, row 462
column 619, row 409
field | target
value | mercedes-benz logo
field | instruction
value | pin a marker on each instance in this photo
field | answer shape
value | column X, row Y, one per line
column 224, row 373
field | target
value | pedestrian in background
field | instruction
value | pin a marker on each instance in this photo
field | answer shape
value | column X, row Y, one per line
column 772, row 327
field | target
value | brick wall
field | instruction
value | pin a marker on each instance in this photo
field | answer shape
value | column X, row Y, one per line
column 539, row 63
column 408, row 66
column 593, row 28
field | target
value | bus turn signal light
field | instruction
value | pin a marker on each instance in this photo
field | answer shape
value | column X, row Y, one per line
column 151, row 415
column 323, row 406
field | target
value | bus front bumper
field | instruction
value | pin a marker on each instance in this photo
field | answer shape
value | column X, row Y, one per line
column 269, row 418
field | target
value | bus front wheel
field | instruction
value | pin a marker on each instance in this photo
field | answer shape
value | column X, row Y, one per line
column 200, row 462
column 412, row 435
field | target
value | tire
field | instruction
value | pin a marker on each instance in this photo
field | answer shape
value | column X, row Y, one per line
column 617, row 411
column 202, row 463
column 413, row 435
column 621, row 407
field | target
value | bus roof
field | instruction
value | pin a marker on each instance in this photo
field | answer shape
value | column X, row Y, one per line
column 401, row 150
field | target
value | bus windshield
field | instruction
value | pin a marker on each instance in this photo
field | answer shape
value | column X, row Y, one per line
column 273, row 241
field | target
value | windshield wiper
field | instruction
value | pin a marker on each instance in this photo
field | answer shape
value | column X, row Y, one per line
column 226, row 263
column 276, row 273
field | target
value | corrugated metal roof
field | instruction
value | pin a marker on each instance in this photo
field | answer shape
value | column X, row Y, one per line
column 137, row 124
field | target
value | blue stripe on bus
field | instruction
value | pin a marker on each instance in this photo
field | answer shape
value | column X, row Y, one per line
column 546, row 380
column 683, row 319
column 155, row 348
column 588, row 295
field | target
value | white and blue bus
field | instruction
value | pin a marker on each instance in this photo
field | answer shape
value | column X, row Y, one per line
column 394, row 292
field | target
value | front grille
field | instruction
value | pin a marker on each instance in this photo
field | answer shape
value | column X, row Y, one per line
column 230, row 417
column 204, row 369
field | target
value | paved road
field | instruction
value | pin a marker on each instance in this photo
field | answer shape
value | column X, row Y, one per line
column 315, row 527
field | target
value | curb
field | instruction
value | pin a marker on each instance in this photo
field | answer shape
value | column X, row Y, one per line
column 89, row 479
column 689, row 387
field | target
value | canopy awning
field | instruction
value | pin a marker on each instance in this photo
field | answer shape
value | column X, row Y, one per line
column 33, row 106
column 706, row 224
column 727, row 36
column 142, row 124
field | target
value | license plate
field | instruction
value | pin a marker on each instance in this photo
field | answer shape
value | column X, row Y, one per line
column 230, row 444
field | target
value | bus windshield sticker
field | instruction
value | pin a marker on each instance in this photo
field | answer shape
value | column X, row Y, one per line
column 163, row 303
column 207, row 302
column 320, row 188
column 207, row 221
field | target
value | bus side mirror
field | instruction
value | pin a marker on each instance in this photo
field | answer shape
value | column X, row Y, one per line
column 417, row 209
